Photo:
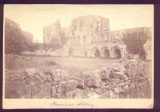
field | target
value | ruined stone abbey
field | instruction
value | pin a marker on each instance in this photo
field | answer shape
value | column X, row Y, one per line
column 90, row 36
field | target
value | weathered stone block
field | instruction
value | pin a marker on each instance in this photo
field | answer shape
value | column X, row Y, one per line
column 112, row 75
column 61, row 88
column 60, row 74
column 118, row 90
column 133, row 71
column 49, row 76
column 53, row 91
column 41, row 77
column 46, row 91
column 32, row 81
column 71, row 85
column 104, row 73
column 125, row 88
column 81, row 83
column 35, row 90
column 132, row 85
column 98, row 90
column 92, row 78
column 117, row 67
column 31, row 71
column 77, row 93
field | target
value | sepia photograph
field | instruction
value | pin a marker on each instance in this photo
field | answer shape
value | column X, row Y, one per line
column 78, row 56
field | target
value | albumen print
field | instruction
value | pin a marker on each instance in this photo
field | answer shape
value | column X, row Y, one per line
column 78, row 56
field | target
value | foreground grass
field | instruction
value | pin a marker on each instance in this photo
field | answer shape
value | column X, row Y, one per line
column 73, row 65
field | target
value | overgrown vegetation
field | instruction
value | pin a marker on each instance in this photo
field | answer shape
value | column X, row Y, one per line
column 135, row 42
column 17, row 40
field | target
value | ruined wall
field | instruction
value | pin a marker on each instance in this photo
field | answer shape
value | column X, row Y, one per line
column 52, row 32
column 91, row 35
column 87, row 28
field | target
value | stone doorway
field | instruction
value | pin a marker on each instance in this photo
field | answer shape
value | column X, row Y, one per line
column 97, row 53
column 117, row 54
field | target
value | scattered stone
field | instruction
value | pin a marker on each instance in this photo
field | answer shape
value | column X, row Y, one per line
column 105, row 94
column 122, row 84
column 46, row 91
column 53, row 91
column 117, row 67
column 71, row 85
column 87, row 74
column 31, row 71
column 98, row 90
column 105, row 82
column 111, row 94
column 80, row 84
column 112, row 75
column 23, row 75
column 92, row 79
column 60, row 74
column 35, row 90
column 77, row 93
column 32, row 81
column 132, row 85
column 61, row 88
column 49, row 76
column 125, row 88
column 118, row 90
column 104, row 73
column 91, row 94
column 42, row 77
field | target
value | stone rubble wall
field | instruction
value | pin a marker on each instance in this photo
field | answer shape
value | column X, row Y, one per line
column 115, row 81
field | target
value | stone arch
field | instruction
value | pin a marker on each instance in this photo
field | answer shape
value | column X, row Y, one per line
column 116, row 52
column 105, row 52
column 96, row 52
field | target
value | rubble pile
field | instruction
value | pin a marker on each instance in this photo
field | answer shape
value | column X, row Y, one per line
column 115, row 81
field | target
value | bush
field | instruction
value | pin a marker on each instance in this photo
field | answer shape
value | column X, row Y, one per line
column 135, row 43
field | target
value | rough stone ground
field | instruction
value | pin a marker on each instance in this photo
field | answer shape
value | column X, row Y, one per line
column 54, row 77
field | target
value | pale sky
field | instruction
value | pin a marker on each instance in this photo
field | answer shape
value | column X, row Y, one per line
column 33, row 18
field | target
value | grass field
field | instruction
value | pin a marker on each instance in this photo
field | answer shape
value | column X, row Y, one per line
column 72, row 64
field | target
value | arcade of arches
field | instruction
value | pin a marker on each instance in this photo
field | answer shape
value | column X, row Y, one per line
column 96, row 52
column 105, row 53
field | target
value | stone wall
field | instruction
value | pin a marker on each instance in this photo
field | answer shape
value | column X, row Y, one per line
column 94, row 32
column 128, row 79
column 87, row 28
column 52, row 32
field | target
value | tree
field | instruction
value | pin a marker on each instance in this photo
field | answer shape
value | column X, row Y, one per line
column 135, row 43
column 16, row 40
column 34, row 46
